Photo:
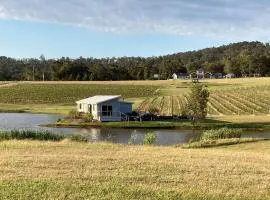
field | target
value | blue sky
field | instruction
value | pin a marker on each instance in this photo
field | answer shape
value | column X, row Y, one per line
column 106, row 28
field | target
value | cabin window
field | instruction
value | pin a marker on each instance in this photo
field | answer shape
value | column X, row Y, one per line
column 80, row 105
column 106, row 110
column 90, row 108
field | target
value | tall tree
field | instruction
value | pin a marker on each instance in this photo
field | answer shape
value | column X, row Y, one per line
column 197, row 102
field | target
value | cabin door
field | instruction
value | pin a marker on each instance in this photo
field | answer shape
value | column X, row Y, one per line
column 90, row 108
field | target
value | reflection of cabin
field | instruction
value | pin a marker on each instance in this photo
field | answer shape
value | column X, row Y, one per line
column 105, row 108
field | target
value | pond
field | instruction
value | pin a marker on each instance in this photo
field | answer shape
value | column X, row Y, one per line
column 10, row 121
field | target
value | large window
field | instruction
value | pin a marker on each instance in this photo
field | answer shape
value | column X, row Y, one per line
column 106, row 110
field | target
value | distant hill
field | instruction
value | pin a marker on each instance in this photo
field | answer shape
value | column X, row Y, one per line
column 242, row 59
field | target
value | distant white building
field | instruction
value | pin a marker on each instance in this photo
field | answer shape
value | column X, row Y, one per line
column 230, row 75
column 175, row 76
column 156, row 76
column 105, row 108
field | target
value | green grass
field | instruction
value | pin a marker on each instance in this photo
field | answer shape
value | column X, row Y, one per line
column 205, row 124
column 38, row 135
column 66, row 170
column 68, row 94
column 36, row 108
column 222, row 133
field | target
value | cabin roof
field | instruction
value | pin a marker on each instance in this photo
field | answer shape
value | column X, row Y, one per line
column 99, row 99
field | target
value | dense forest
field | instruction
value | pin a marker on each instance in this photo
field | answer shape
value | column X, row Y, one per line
column 241, row 59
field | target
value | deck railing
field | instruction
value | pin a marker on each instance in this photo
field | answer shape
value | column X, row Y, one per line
column 123, row 116
column 109, row 114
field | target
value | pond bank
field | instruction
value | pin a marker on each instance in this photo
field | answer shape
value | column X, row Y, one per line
column 220, row 142
column 206, row 124
column 167, row 133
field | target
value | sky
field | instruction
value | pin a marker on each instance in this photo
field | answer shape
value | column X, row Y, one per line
column 116, row 28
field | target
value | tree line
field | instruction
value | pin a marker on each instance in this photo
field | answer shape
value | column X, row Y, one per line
column 241, row 59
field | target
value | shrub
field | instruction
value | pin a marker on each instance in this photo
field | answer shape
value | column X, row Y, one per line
column 153, row 110
column 223, row 133
column 78, row 138
column 88, row 117
column 74, row 114
column 132, row 139
column 30, row 134
column 150, row 139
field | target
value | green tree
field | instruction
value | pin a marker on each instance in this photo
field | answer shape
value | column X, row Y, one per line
column 197, row 102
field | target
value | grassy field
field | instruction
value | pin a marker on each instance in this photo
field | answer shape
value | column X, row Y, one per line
column 66, row 170
column 238, row 99
column 68, row 93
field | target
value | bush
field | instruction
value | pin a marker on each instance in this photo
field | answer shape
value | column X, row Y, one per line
column 30, row 134
column 150, row 139
column 88, row 117
column 132, row 139
column 223, row 133
column 74, row 114
column 78, row 138
column 153, row 110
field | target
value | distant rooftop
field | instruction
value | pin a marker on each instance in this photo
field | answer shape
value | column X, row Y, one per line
column 99, row 99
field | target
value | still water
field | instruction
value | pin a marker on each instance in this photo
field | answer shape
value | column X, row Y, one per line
column 10, row 121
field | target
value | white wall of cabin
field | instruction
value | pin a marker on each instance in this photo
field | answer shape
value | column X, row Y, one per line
column 118, row 107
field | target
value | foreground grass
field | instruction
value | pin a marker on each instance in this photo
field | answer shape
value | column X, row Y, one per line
column 65, row 170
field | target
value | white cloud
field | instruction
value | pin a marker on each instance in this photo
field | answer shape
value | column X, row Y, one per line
column 224, row 19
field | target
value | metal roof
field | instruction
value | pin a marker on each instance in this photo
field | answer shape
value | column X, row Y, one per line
column 98, row 99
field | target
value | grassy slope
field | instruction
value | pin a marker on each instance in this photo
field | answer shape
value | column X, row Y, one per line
column 46, row 170
column 166, row 87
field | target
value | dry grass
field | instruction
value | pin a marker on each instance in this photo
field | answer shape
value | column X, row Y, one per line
column 46, row 170
column 238, row 81
column 141, row 82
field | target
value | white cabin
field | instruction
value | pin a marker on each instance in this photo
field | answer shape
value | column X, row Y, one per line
column 105, row 108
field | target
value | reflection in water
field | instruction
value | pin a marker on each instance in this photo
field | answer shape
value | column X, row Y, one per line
column 124, row 136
